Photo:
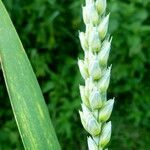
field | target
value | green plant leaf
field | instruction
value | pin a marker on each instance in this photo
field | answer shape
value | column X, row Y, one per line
column 26, row 98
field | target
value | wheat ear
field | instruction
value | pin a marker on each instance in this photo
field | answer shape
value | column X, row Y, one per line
column 96, row 44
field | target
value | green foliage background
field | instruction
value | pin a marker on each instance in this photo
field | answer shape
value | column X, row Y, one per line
column 49, row 32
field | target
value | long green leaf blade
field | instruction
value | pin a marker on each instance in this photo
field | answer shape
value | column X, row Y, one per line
column 26, row 98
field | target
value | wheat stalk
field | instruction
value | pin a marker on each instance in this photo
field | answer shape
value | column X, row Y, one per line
column 95, row 42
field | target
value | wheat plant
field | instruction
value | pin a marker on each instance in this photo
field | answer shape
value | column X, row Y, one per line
column 96, row 43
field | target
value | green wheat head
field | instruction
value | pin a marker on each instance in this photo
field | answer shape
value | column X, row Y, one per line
column 95, row 42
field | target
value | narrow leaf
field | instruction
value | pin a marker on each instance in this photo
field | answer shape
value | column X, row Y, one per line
column 26, row 98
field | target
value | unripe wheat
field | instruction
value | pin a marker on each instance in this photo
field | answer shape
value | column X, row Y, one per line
column 95, row 42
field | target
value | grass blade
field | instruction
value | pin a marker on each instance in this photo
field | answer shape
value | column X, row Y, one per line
column 26, row 98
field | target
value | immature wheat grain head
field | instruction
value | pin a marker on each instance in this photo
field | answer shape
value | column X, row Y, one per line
column 96, row 44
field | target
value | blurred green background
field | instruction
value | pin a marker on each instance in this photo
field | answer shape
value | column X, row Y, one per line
column 49, row 32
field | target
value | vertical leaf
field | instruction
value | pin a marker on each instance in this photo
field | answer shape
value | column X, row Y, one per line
column 26, row 98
